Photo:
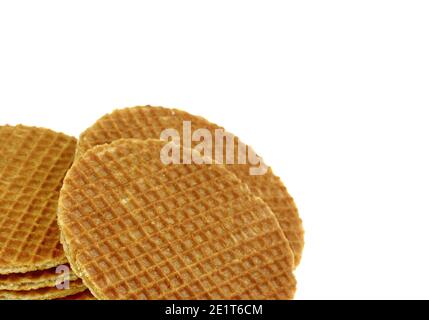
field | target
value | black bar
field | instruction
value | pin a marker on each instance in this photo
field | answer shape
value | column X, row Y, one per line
column 150, row 310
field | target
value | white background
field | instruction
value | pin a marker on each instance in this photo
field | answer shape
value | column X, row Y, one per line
column 334, row 95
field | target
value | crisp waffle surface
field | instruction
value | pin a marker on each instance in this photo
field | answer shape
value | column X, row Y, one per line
column 34, row 279
column 133, row 228
column 48, row 293
column 33, row 163
column 148, row 123
column 86, row 295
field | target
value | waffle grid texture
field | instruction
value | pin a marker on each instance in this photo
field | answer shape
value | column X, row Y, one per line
column 133, row 228
column 33, row 163
column 148, row 123
column 34, row 279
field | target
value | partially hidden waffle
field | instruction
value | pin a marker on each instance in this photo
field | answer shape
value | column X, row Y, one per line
column 86, row 295
column 48, row 293
column 33, row 163
column 148, row 123
column 134, row 228
column 35, row 279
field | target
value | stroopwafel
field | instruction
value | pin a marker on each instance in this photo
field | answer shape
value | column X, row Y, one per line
column 33, row 163
column 134, row 228
column 149, row 122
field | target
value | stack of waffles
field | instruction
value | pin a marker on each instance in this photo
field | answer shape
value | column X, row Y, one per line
column 132, row 223
column 33, row 163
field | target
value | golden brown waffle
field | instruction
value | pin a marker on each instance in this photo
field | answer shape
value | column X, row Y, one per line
column 34, row 279
column 148, row 123
column 33, row 162
column 86, row 295
column 133, row 228
column 49, row 293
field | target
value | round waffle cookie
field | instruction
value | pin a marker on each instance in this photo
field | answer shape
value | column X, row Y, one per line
column 134, row 228
column 34, row 279
column 149, row 122
column 48, row 293
column 33, row 163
